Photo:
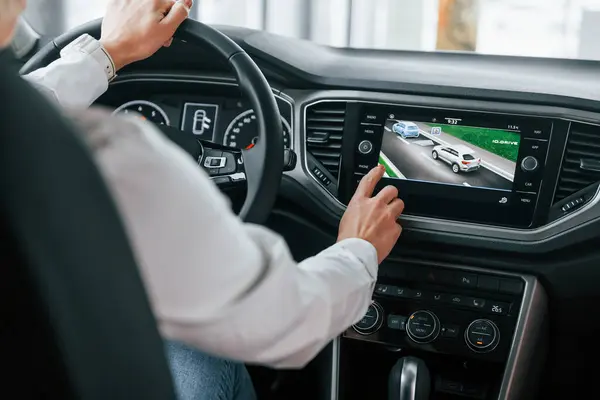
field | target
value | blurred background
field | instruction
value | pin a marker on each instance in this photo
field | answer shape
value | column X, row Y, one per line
column 536, row 28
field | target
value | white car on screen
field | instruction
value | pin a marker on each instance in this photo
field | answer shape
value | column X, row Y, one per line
column 460, row 158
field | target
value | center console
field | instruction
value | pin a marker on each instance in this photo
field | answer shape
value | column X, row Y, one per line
column 467, row 325
column 451, row 164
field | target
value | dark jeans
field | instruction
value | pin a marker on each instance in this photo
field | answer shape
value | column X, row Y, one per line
column 198, row 376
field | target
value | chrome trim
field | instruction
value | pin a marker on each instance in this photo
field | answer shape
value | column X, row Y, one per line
column 237, row 177
column 408, row 381
column 429, row 224
column 335, row 368
column 527, row 331
column 209, row 81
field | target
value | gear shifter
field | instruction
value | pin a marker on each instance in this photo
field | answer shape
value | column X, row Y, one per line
column 409, row 380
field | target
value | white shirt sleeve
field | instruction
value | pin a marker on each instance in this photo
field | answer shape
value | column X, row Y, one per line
column 230, row 289
column 74, row 81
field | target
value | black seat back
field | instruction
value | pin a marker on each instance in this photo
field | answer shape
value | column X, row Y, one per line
column 75, row 320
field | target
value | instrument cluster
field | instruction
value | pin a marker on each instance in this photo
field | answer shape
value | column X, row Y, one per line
column 224, row 120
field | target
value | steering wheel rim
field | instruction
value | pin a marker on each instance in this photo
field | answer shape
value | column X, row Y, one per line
column 264, row 163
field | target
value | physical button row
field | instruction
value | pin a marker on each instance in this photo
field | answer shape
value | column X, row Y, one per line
column 485, row 305
column 457, row 278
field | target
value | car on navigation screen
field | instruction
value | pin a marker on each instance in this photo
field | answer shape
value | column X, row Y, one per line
column 406, row 129
column 461, row 158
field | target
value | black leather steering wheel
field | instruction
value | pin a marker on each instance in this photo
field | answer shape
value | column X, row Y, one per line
column 261, row 167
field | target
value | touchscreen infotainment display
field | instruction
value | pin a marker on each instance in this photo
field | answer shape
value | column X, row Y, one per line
column 451, row 154
column 463, row 165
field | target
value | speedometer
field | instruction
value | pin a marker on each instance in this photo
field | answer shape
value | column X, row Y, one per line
column 145, row 110
column 242, row 132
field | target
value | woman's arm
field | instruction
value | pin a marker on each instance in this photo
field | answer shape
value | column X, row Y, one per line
column 230, row 289
column 131, row 31
column 74, row 81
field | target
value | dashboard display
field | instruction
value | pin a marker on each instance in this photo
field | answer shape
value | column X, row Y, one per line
column 242, row 132
column 450, row 153
column 200, row 119
column 454, row 164
column 213, row 113
column 145, row 110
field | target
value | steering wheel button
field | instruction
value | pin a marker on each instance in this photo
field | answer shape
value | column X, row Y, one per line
column 215, row 162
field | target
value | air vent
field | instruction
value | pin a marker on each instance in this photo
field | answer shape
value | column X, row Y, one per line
column 324, row 132
column 581, row 164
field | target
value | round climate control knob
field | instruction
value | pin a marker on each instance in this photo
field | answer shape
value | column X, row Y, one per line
column 423, row 326
column 482, row 336
column 372, row 320
column 530, row 164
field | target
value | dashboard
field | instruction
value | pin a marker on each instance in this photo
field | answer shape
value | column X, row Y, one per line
column 498, row 161
column 528, row 182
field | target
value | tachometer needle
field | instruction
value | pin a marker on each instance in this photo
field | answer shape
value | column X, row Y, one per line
column 251, row 145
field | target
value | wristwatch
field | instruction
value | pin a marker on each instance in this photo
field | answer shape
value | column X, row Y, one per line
column 88, row 45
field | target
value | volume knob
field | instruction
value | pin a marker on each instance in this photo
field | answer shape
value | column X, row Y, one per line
column 365, row 147
column 530, row 164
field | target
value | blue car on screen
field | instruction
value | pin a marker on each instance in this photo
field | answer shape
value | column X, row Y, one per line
column 406, row 129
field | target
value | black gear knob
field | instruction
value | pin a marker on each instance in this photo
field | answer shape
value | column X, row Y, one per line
column 409, row 380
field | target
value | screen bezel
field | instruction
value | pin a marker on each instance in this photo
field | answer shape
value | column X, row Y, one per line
column 514, row 215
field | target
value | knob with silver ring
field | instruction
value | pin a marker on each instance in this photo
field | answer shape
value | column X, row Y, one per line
column 365, row 147
column 372, row 320
column 482, row 336
column 423, row 326
column 530, row 164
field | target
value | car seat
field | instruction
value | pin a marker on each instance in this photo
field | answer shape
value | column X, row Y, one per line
column 75, row 319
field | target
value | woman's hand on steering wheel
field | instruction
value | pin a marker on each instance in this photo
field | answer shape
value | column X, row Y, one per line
column 133, row 30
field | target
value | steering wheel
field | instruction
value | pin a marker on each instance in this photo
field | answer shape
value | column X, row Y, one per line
column 259, row 168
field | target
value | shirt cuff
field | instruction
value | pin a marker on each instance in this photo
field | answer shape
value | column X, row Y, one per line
column 86, row 44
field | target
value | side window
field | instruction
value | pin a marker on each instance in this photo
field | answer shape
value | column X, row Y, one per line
column 454, row 152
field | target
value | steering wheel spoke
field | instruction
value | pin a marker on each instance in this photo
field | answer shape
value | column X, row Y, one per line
column 224, row 165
